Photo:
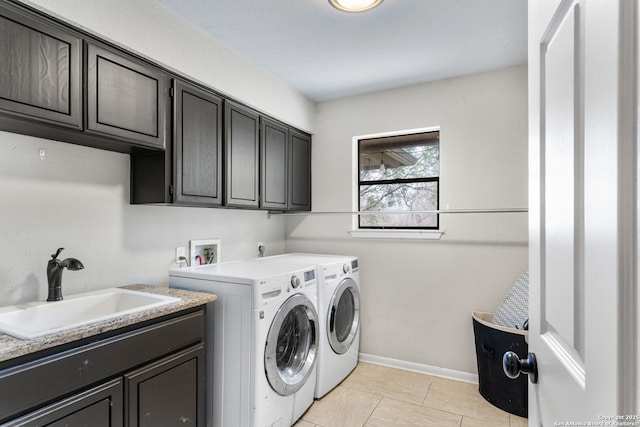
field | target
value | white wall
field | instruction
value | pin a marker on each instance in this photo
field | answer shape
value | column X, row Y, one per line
column 417, row 296
column 77, row 197
column 143, row 27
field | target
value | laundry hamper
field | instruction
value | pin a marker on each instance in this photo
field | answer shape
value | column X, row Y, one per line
column 492, row 342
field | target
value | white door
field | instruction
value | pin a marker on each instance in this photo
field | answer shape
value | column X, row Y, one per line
column 583, row 215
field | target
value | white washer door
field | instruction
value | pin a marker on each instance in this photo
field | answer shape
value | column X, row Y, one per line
column 343, row 317
column 292, row 345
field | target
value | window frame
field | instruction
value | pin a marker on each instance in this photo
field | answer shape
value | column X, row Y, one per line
column 395, row 231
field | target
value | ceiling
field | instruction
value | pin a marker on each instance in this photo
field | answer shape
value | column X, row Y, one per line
column 326, row 54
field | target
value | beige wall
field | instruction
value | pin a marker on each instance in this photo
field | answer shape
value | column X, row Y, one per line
column 417, row 296
column 77, row 197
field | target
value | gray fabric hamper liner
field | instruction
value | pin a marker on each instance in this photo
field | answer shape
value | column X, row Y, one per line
column 514, row 310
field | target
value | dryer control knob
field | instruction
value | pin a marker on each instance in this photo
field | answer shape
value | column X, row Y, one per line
column 295, row 281
column 345, row 268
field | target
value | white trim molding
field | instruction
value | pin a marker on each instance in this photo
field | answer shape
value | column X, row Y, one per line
column 419, row 368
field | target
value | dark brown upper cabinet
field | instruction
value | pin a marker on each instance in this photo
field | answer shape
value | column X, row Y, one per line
column 40, row 69
column 285, row 167
column 191, row 172
column 197, row 145
column 126, row 99
column 274, row 142
column 201, row 149
column 242, row 144
column 299, row 171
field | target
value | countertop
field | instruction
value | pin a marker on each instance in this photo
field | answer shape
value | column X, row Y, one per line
column 11, row 347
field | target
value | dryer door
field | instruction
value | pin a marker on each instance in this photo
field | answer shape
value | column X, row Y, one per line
column 292, row 345
column 344, row 316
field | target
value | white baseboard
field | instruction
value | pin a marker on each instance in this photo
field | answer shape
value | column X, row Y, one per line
column 419, row 367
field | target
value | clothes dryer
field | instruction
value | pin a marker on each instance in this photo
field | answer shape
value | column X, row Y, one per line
column 262, row 340
column 339, row 311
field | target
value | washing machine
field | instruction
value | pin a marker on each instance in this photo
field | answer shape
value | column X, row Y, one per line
column 339, row 311
column 262, row 340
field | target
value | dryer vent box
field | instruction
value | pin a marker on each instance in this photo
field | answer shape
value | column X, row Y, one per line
column 204, row 252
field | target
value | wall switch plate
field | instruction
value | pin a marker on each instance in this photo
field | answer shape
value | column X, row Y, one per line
column 181, row 251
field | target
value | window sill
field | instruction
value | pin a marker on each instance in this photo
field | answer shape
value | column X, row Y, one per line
column 397, row 234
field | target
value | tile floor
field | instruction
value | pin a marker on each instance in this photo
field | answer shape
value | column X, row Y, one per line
column 377, row 396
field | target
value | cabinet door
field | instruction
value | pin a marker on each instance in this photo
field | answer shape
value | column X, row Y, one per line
column 126, row 99
column 98, row 407
column 40, row 69
column 299, row 171
column 170, row 391
column 241, row 159
column 273, row 164
column 198, row 145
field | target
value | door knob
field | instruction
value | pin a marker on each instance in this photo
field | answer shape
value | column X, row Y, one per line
column 513, row 366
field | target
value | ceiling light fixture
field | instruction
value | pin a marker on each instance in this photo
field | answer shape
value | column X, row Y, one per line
column 354, row 5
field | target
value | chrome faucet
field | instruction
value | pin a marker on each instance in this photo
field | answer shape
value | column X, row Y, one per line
column 54, row 274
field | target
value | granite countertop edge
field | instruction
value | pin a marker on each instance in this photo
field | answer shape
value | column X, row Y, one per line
column 11, row 347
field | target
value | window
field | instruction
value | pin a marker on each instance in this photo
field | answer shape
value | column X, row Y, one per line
column 399, row 173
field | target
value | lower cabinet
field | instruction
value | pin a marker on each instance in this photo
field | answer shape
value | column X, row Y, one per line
column 166, row 392
column 100, row 406
column 104, row 383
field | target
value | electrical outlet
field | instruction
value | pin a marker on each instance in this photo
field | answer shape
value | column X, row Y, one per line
column 181, row 251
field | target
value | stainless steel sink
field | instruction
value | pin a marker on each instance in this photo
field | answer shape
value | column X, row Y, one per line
column 40, row 318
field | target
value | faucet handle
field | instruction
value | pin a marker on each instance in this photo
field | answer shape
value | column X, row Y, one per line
column 57, row 253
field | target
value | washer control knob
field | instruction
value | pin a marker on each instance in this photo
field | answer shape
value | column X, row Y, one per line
column 345, row 268
column 295, row 281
